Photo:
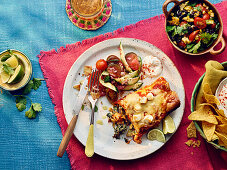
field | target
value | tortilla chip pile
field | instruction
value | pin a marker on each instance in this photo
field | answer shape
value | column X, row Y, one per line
column 213, row 120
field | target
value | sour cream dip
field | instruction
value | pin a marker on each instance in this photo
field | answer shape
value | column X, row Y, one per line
column 152, row 66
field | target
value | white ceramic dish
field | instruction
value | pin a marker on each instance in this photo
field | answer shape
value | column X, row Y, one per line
column 222, row 83
column 105, row 144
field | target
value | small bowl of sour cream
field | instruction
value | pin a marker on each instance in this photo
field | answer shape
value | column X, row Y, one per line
column 221, row 94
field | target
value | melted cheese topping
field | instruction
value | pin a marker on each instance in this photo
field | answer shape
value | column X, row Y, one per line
column 142, row 114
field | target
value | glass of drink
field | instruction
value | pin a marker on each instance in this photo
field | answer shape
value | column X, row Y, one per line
column 87, row 8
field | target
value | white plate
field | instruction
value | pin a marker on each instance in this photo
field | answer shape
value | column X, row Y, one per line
column 105, row 145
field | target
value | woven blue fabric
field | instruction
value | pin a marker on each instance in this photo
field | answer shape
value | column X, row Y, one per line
column 31, row 26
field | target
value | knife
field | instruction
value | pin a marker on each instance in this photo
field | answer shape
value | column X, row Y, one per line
column 75, row 111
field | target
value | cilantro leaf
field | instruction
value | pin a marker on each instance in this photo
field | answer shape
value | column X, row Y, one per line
column 30, row 113
column 170, row 28
column 37, row 107
column 21, row 103
column 197, row 8
column 193, row 4
column 107, row 79
column 207, row 38
column 10, row 51
column 36, row 83
column 9, row 70
column 5, row 57
column 28, row 87
column 189, row 46
column 195, row 48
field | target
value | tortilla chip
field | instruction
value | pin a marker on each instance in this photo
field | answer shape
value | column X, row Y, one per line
column 204, row 113
column 214, row 137
column 208, row 129
column 87, row 70
column 222, row 128
column 222, row 139
column 219, row 112
column 191, row 130
column 221, row 120
column 207, row 89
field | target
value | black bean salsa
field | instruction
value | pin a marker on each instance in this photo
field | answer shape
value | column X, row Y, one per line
column 193, row 26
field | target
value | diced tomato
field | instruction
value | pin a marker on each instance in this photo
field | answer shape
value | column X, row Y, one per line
column 133, row 61
column 182, row 44
column 201, row 6
column 183, row 23
column 101, row 64
column 206, row 16
column 192, row 35
column 198, row 40
column 200, row 23
column 213, row 25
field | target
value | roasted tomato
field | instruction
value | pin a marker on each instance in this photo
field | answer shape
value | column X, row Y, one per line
column 213, row 25
column 192, row 35
column 200, row 23
column 112, row 58
column 101, row 64
column 114, row 70
column 111, row 95
column 133, row 61
column 206, row 16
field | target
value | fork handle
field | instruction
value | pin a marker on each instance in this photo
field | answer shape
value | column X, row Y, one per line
column 67, row 136
column 89, row 148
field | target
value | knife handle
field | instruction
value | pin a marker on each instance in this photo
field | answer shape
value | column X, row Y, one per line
column 89, row 148
column 67, row 136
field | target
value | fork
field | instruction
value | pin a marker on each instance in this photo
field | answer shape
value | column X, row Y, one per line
column 93, row 95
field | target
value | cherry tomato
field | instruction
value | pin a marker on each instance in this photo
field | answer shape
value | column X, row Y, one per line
column 133, row 61
column 101, row 64
column 114, row 70
column 206, row 16
column 213, row 25
column 192, row 35
column 183, row 23
column 202, row 7
column 200, row 23
column 182, row 44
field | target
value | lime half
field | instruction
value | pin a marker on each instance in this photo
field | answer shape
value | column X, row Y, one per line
column 4, row 77
column 17, row 76
column 12, row 61
column 156, row 134
column 168, row 125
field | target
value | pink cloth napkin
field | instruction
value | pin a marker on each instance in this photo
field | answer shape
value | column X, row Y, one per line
column 174, row 154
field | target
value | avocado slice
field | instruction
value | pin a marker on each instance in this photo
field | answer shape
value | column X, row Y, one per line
column 122, row 57
column 133, row 86
column 107, row 84
column 128, row 77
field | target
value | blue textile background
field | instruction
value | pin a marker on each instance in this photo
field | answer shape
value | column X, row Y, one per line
column 31, row 26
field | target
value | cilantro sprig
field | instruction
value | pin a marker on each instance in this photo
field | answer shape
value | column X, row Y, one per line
column 21, row 100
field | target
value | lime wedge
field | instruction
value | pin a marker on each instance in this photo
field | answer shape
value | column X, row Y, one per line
column 156, row 134
column 17, row 76
column 12, row 61
column 168, row 125
column 4, row 77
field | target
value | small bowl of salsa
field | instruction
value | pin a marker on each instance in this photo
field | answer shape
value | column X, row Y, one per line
column 15, row 70
column 194, row 27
